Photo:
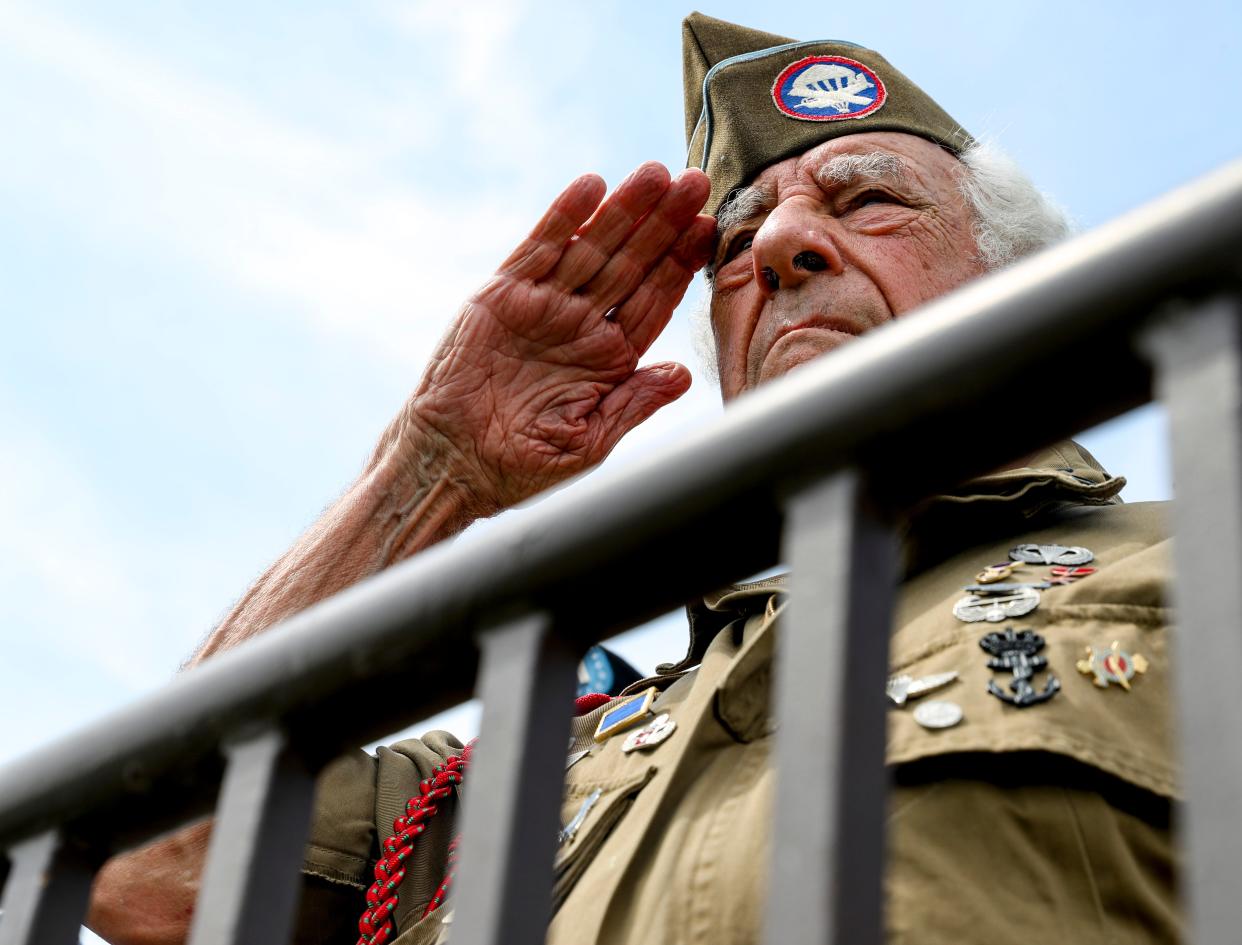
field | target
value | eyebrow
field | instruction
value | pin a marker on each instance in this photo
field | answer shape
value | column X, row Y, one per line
column 743, row 204
column 845, row 169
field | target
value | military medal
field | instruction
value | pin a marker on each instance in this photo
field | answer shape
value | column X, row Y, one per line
column 625, row 714
column 1066, row 575
column 1113, row 665
column 997, row 572
column 903, row 687
column 570, row 829
column 1016, row 652
column 975, row 607
column 650, row 735
column 1051, row 554
column 1008, row 587
column 938, row 713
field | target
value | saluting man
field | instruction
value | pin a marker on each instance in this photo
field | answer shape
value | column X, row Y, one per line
column 1029, row 733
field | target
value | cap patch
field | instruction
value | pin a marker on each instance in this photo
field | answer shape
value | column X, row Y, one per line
column 828, row 88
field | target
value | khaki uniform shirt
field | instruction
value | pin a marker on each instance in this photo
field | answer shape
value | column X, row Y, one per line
column 1049, row 822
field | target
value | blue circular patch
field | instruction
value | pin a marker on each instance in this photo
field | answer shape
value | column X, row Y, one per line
column 828, row 88
column 595, row 672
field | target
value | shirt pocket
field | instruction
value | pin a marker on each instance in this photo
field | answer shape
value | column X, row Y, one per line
column 1127, row 734
column 590, row 811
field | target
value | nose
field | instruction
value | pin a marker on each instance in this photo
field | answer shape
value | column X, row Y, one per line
column 792, row 245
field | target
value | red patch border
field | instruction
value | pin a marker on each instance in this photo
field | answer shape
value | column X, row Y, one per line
column 881, row 95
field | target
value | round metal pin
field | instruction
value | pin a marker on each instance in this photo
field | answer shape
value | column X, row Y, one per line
column 1052, row 554
column 651, row 734
column 975, row 607
column 938, row 713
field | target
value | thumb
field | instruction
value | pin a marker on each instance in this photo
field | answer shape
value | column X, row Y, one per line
column 642, row 394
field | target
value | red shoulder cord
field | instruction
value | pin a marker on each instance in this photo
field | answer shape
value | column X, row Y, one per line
column 376, row 924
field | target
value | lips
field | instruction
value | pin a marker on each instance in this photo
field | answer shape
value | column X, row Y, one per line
column 826, row 322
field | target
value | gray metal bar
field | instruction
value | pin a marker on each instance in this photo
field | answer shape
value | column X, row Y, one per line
column 252, row 880
column 1199, row 378
column 924, row 377
column 513, row 787
column 47, row 891
column 828, row 839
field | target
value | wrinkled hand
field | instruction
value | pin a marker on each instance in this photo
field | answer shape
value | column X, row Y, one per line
column 537, row 379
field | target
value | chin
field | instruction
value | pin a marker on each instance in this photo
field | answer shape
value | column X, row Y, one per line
column 798, row 348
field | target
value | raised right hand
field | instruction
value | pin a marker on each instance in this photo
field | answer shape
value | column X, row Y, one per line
column 537, row 379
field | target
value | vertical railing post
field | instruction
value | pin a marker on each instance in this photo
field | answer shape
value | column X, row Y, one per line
column 827, row 842
column 47, row 890
column 1198, row 360
column 513, row 789
column 252, row 878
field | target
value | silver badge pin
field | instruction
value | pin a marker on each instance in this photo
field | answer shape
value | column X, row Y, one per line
column 903, row 687
column 938, row 713
column 571, row 828
column 995, row 590
column 650, row 735
column 975, row 607
column 1052, row 554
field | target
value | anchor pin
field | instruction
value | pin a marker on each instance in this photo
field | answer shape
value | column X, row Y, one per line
column 1016, row 652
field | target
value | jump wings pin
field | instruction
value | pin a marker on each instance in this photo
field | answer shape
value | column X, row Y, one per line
column 1051, row 554
column 1113, row 665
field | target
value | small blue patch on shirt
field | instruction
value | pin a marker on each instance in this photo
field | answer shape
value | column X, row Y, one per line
column 595, row 672
column 621, row 714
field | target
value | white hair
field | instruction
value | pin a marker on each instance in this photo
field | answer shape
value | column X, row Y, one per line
column 1012, row 217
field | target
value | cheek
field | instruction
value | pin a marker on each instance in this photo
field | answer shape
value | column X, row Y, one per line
column 928, row 261
column 732, row 328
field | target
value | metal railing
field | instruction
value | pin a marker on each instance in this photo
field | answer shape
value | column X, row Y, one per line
column 801, row 469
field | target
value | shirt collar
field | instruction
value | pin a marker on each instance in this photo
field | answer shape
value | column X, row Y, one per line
column 1058, row 477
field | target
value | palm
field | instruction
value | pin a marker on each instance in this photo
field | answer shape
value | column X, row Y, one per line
column 537, row 379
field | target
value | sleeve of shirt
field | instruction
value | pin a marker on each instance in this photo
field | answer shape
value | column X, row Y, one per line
column 357, row 798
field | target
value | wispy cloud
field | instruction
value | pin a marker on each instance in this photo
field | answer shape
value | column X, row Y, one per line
column 327, row 226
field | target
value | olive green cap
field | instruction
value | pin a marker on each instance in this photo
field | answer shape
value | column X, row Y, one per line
column 755, row 98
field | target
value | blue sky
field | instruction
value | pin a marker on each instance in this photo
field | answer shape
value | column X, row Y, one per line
column 230, row 234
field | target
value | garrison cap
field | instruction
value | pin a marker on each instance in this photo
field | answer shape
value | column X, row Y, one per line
column 755, row 98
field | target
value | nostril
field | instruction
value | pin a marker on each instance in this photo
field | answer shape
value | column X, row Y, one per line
column 811, row 262
column 770, row 277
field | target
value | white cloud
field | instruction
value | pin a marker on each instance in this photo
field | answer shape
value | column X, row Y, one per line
column 144, row 153
column 67, row 589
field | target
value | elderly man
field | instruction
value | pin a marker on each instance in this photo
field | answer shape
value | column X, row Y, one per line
column 1029, row 797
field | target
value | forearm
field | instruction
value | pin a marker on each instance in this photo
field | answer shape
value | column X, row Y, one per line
column 414, row 492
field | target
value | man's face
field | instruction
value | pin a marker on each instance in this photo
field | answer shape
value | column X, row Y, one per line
column 827, row 245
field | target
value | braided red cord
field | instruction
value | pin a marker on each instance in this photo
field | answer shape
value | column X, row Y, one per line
column 376, row 924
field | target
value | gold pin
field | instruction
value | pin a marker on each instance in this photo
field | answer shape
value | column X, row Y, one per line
column 997, row 572
column 1113, row 665
column 625, row 714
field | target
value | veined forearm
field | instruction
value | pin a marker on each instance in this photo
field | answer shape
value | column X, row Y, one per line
column 397, row 508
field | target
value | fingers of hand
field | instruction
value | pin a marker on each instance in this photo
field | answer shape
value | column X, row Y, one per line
column 645, row 313
column 539, row 253
column 651, row 240
column 642, row 394
column 599, row 237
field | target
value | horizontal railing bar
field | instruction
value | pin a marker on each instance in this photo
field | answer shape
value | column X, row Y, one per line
column 920, row 380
